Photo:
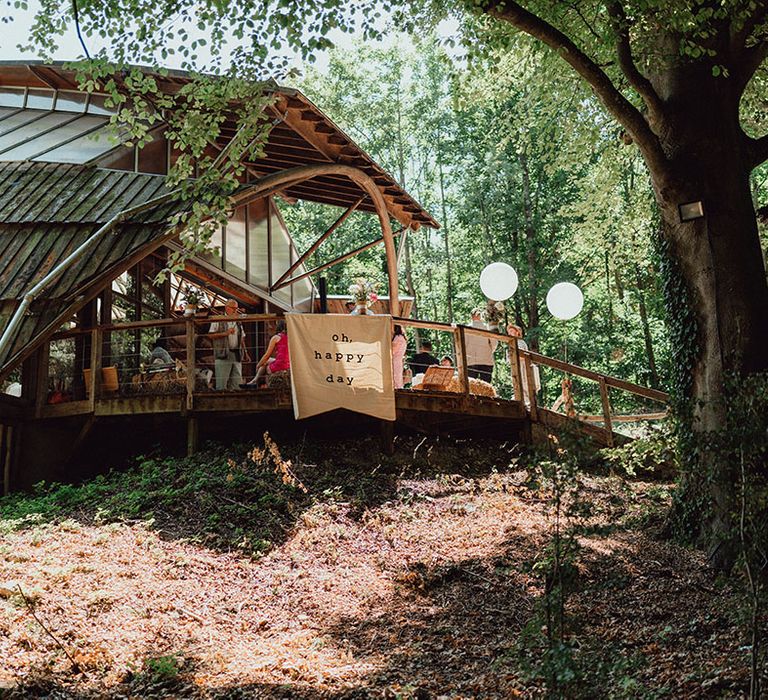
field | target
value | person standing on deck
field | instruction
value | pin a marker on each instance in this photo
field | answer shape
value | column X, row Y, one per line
column 399, row 344
column 480, row 350
column 423, row 359
column 228, row 349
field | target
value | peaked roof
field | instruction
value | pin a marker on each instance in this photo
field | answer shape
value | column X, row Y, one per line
column 301, row 135
column 46, row 212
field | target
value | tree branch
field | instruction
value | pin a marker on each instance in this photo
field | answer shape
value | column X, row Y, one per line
column 622, row 109
column 637, row 80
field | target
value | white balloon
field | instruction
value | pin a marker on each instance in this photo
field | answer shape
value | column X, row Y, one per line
column 565, row 301
column 498, row 281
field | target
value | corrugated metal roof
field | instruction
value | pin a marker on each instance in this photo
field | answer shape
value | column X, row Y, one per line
column 60, row 193
column 31, row 250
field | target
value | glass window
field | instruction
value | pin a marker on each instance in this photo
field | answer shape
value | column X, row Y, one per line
column 153, row 157
column 70, row 101
column 84, row 148
column 281, row 254
column 5, row 112
column 33, row 129
column 120, row 159
column 18, row 119
column 234, row 245
column 38, row 98
column 12, row 97
column 96, row 105
column 60, row 135
column 258, row 270
column 214, row 254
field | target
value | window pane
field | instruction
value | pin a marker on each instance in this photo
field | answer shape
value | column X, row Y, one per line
column 234, row 245
column 257, row 251
column 39, row 99
column 214, row 255
column 19, row 118
column 12, row 97
column 96, row 105
column 30, row 131
column 281, row 255
column 70, row 101
column 153, row 157
column 53, row 138
column 83, row 149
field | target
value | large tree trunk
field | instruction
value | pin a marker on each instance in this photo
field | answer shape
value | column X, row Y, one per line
column 720, row 261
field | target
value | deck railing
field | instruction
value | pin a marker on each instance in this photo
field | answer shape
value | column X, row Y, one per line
column 120, row 354
column 524, row 365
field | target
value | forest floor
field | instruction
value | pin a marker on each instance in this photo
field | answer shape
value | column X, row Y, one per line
column 415, row 576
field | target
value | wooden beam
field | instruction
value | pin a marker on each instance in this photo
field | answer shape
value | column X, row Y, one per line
column 514, row 364
column 95, row 362
column 530, row 378
column 190, row 330
column 6, row 433
column 461, row 359
column 318, row 243
column 192, row 435
column 604, row 398
column 333, row 262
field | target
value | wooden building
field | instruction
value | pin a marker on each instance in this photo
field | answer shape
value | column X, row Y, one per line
column 67, row 184
column 87, row 223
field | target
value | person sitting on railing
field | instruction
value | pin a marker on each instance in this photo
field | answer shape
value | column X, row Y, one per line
column 278, row 346
column 480, row 350
column 423, row 359
column 160, row 354
column 514, row 331
column 399, row 344
column 229, row 348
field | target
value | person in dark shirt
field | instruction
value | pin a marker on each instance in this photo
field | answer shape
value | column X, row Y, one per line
column 423, row 359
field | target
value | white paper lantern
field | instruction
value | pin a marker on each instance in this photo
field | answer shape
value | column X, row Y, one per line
column 565, row 301
column 498, row 281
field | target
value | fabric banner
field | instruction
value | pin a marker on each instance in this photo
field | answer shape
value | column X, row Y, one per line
column 341, row 361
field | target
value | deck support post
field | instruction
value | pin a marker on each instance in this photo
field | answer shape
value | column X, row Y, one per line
column 190, row 338
column 514, row 363
column 95, row 364
column 530, row 379
column 192, row 435
column 461, row 359
column 608, row 424
column 6, row 432
column 387, row 434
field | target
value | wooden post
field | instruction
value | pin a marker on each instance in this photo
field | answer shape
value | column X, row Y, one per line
column 8, row 454
column 191, row 435
column 514, row 363
column 461, row 359
column 388, row 437
column 93, row 389
column 41, row 378
column 606, row 411
column 190, row 322
column 530, row 379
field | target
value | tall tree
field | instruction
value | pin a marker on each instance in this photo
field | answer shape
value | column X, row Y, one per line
column 672, row 73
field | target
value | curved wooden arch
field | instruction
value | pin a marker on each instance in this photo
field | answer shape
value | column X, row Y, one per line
column 285, row 178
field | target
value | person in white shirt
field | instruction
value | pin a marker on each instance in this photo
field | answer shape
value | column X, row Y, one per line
column 228, row 349
column 480, row 350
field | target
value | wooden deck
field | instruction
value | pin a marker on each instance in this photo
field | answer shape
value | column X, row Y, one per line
column 36, row 437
